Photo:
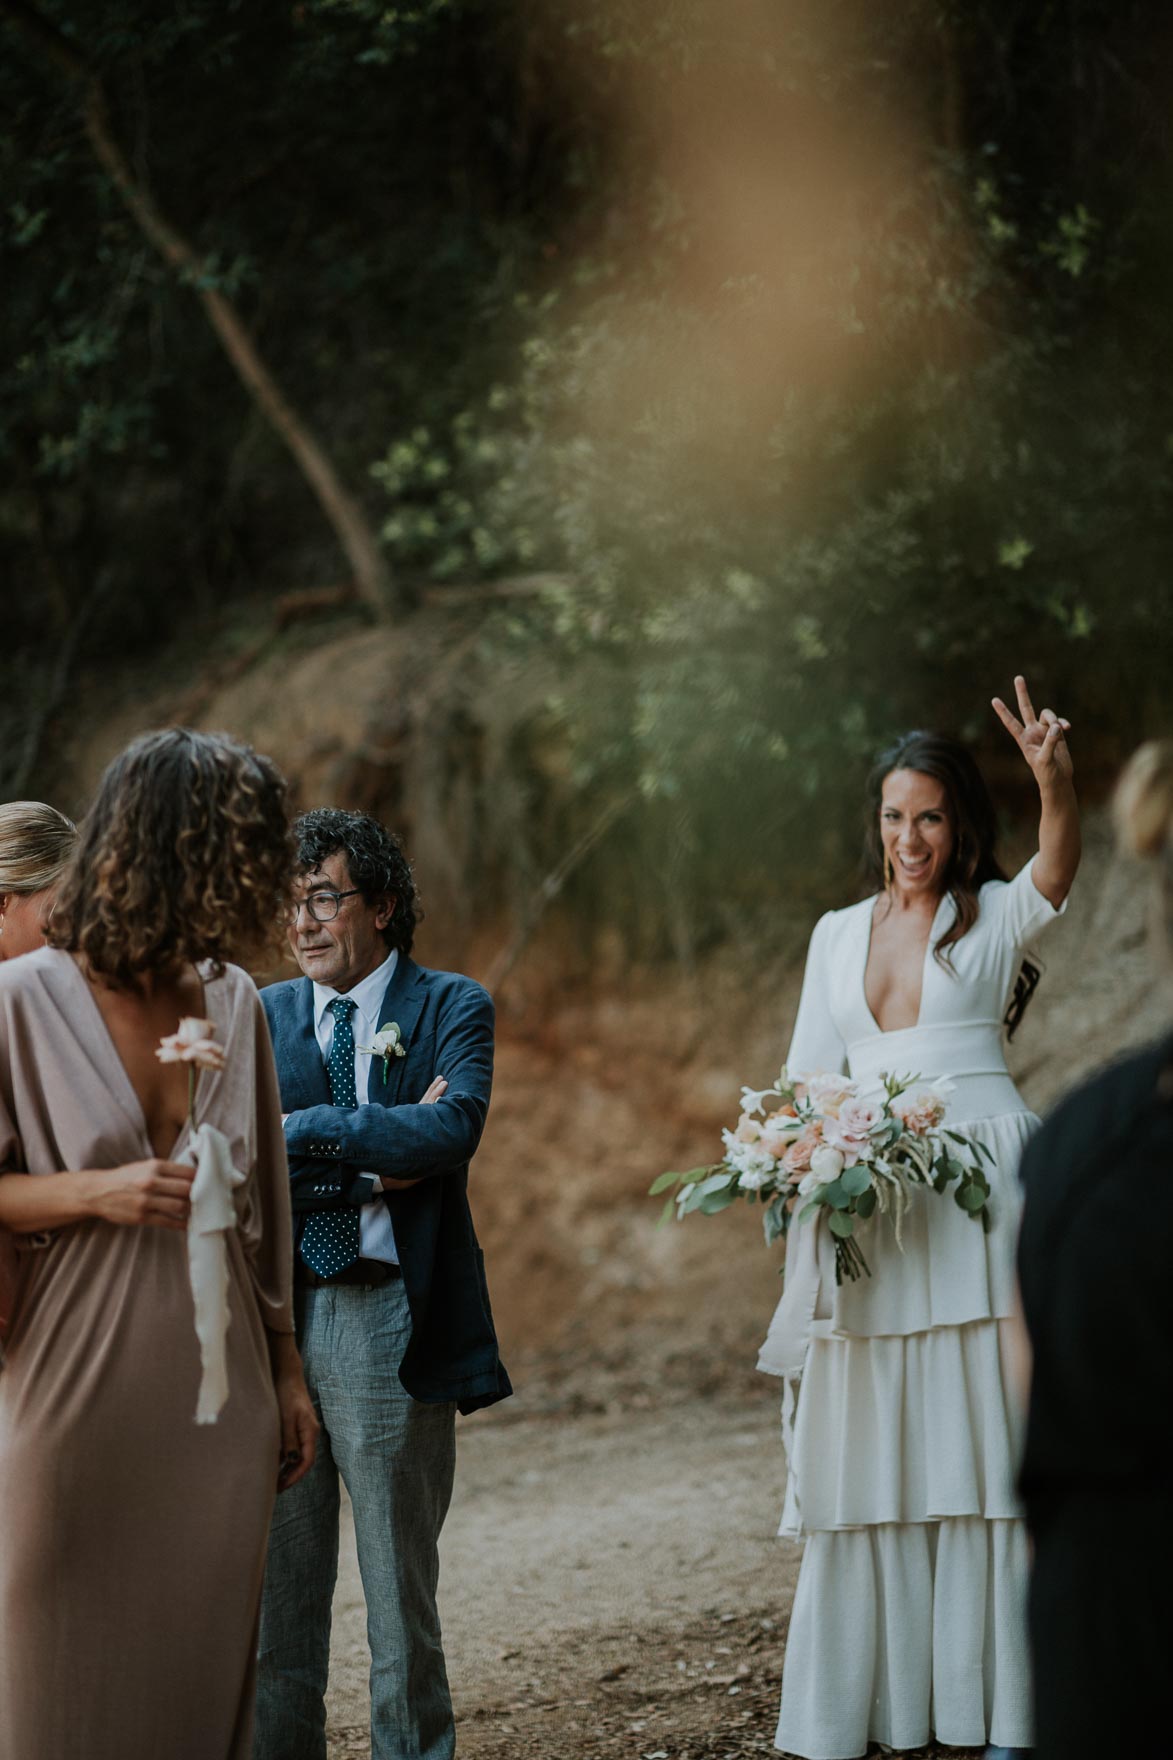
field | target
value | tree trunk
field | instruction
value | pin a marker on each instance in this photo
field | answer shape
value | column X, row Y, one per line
column 372, row 577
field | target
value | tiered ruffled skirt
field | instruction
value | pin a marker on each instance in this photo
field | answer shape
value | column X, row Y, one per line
column 909, row 1620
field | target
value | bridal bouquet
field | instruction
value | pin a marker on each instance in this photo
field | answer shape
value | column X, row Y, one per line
column 813, row 1144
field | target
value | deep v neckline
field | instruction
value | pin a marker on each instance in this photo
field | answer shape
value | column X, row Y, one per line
column 130, row 1093
column 883, row 1032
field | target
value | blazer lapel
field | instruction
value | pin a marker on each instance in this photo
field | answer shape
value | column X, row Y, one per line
column 304, row 1081
column 403, row 1000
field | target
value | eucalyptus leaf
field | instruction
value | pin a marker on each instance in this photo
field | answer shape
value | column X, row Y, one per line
column 715, row 1182
column 774, row 1220
column 855, row 1180
column 712, row 1202
column 841, row 1224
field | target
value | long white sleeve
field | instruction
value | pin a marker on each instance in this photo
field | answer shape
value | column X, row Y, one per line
column 816, row 1043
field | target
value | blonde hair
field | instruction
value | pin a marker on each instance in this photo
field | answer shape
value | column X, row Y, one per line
column 1143, row 811
column 36, row 842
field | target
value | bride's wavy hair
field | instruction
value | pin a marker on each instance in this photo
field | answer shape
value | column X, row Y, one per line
column 972, row 861
column 185, row 855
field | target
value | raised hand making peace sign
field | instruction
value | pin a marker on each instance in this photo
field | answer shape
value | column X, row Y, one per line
column 1042, row 739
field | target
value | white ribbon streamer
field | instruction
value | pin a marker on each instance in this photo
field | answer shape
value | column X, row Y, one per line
column 787, row 1342
column 213, row 1213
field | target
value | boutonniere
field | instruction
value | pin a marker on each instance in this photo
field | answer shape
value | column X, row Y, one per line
column 388, row 1044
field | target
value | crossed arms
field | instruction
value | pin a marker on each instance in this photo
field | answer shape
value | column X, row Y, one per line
column 330, row 1148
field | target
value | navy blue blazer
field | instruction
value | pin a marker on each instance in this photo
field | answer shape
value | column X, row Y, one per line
column 446, row 1026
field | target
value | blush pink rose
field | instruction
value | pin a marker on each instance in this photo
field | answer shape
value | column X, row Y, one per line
column 797, row 1158
column 856, row 1118
column 920, row 1110
column 778, row 1132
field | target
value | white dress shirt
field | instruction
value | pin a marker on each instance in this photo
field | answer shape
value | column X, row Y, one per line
column 376, row 1235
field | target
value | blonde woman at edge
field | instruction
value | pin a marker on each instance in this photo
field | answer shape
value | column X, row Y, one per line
column 36, row 841
column 909, row 1617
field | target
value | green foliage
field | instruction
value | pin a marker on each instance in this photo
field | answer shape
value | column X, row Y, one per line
column 747, row 601
column 750, row 509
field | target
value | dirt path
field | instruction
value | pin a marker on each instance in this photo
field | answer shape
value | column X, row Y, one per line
column 612, row 1586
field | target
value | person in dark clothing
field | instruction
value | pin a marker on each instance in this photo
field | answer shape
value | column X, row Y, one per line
column 1097, row 1478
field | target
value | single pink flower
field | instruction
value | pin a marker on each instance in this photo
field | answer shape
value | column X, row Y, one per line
column 194, row 1043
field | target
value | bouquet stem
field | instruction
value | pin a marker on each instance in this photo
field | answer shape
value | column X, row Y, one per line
column 849, row 1262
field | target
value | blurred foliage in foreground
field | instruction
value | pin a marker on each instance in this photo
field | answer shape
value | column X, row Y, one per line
column 784, row 375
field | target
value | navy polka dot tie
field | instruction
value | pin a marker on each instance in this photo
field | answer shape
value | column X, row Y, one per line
column 330, row 1238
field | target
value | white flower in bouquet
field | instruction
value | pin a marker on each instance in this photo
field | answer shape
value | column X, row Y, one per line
column 779, row 1131
column 828, row 1094
column 748, row 1130
column 827, row 1163
column 748, row 1160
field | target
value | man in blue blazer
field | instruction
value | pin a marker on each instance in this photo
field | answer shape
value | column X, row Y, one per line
column 385, row 1071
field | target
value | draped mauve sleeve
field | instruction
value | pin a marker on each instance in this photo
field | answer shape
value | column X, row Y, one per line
column 11, row 1161
column 816, row 1043
column 265, row 1227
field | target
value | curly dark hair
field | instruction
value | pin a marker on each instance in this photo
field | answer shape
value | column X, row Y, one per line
column 375, row 860
column 185, row 855
column 974, row 823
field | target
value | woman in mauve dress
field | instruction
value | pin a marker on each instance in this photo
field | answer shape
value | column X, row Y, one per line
column 132, row 1541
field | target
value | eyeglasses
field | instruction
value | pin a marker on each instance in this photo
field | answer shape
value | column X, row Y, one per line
column 323, row 903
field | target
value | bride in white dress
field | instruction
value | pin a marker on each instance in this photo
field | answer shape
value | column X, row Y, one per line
column 909, row 1617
